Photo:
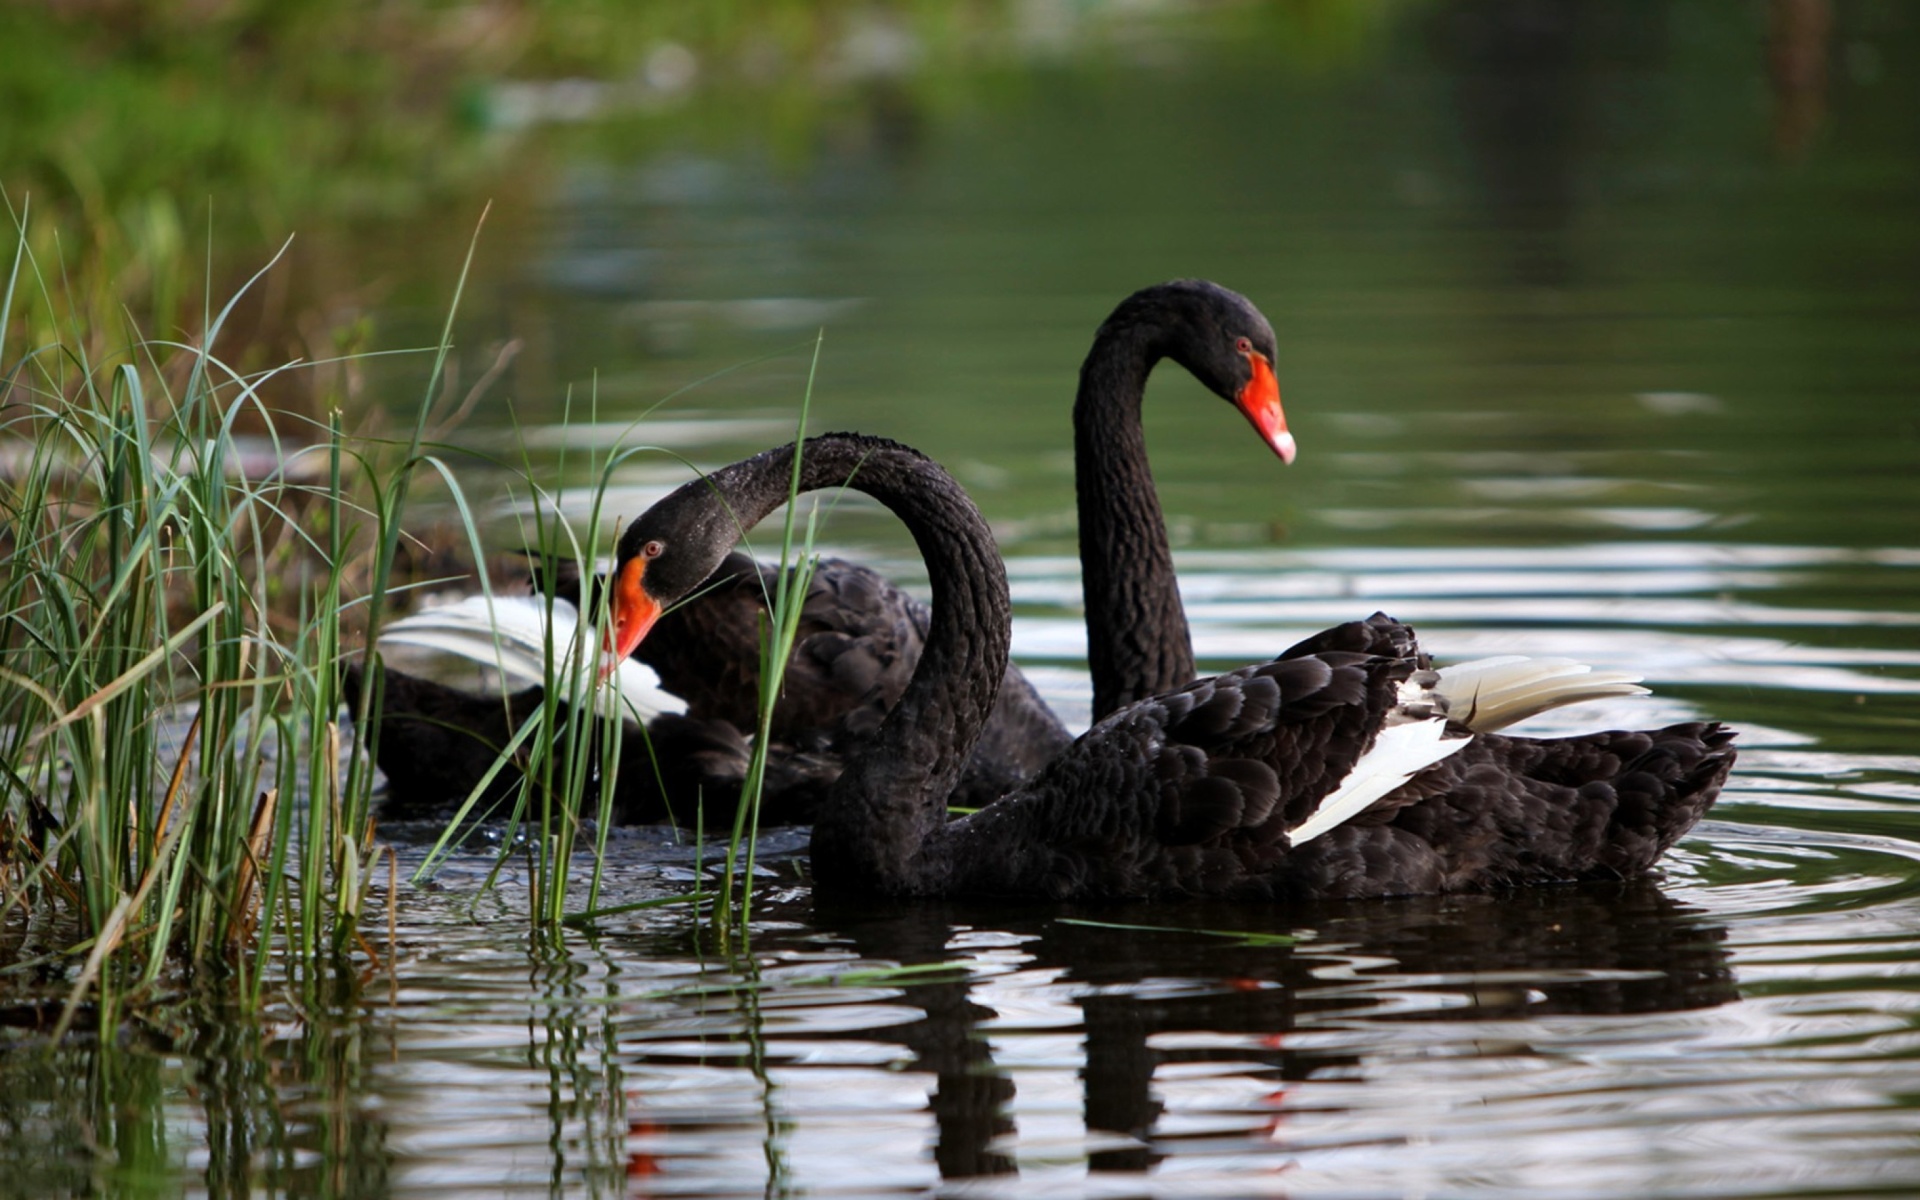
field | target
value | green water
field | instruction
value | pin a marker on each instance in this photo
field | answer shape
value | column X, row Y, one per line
column 1573, row 244
column 1597, row 339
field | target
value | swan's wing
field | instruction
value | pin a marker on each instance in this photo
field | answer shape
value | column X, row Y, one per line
column 1492, row 693
column 859, row 640
column 504, row 633
column 1488, row 693
column 509, row 636
column 1396, row 756
column 1411, row 734
column 1196, row 789
column 1331, row 771
column 1336, row 724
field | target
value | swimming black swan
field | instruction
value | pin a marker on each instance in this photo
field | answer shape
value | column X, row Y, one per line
column 1332, row 771
column 860, row 635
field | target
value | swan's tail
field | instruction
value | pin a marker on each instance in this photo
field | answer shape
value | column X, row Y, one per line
column 507, row 639
column 1492, row 693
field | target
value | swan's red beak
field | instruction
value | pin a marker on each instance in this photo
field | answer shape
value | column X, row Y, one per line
column 1260, row 400
column 634, row 612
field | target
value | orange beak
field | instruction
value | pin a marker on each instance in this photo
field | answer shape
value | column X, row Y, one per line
column 634, row 612
column 1260, row 400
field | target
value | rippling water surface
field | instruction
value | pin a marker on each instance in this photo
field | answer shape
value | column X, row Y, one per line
column 1591, row 349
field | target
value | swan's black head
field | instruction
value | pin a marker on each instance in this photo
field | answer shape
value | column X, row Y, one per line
column 668, row 551
column 1219, row 336
column 676, row 545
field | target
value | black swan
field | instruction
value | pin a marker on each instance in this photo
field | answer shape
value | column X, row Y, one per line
column 861, row 636
column 1331, row 771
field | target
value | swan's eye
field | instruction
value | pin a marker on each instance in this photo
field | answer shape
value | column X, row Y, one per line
column 1243, row 346
column 653, row 550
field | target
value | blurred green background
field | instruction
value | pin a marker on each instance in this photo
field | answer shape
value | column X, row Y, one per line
column 1599, row 328
column 1664, row 255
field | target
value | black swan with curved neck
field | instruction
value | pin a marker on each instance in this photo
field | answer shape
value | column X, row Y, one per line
column 1331, row 771
column 1137, row 640
column 861, row 636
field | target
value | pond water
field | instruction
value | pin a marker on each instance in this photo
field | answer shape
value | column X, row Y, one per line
column 1600, row 334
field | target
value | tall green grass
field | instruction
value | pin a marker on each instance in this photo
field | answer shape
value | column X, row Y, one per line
column 776, row 651
column 177, row 788
column 173, row 614
column 568, row 751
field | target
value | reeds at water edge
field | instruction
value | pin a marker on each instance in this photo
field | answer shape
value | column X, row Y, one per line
column 186, row 788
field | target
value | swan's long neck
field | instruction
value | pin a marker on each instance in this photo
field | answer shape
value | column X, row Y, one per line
column 894, row 791
column 1137, row 642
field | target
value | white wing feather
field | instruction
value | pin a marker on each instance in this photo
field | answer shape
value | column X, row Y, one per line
column 506, row 638
column 1483, row 695
column 1492, row 693
column 1399, row 752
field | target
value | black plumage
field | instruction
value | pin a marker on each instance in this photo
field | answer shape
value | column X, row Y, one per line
column 856, row 646
column 1195, row 791
column 860, row 636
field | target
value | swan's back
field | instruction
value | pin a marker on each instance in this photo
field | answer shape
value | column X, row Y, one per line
column 1223, row 788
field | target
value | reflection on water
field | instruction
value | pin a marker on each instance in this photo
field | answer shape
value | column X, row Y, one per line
column 1589, row 352
column 1743, row 1025
column 1644, row 1038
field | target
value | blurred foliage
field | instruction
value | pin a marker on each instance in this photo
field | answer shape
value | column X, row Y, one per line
column 150, row 123
column 139, row 133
